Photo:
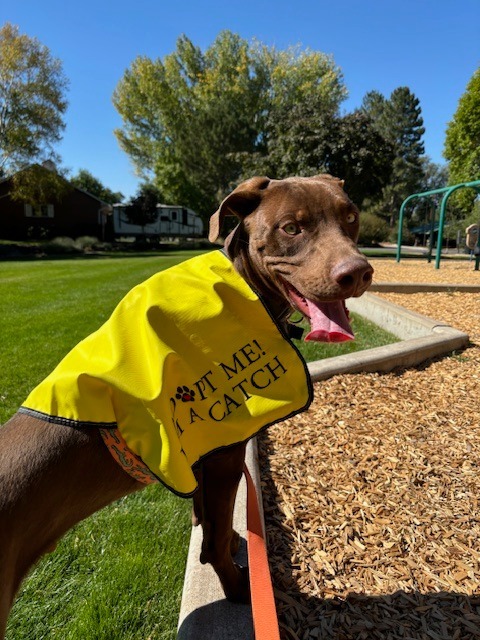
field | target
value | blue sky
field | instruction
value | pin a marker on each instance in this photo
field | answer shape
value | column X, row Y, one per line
column 431, row 46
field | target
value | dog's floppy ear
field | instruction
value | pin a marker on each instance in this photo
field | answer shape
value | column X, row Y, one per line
column 241, row 202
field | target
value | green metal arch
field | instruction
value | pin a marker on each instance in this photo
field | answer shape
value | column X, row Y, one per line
column 443, row 209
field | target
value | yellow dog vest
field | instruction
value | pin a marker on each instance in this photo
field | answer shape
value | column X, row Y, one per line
column 189, row 362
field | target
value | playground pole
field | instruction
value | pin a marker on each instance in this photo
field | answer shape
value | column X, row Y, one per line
column 477, row 257
column 443, row 208
column 400, row 224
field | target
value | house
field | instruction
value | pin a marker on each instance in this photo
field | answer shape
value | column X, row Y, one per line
column 75, row 213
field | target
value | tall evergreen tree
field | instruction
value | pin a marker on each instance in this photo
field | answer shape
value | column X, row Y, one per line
column 399, row 121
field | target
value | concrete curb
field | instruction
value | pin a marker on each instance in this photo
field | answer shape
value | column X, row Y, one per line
column 422, row 287
column 204, row 611
column 422, row 339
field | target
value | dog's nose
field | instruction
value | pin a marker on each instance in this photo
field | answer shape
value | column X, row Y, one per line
column 353, row 276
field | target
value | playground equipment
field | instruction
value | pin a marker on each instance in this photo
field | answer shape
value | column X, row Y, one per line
column 447, row 191
column 472, row 236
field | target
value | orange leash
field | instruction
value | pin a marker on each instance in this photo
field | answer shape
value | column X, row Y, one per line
column 265, row 623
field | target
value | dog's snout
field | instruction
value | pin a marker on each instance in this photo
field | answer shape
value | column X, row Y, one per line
column 353, row 276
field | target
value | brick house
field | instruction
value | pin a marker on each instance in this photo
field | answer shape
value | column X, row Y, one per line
column 76, row 214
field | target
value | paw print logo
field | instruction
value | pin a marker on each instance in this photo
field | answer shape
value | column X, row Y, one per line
column 185, row 394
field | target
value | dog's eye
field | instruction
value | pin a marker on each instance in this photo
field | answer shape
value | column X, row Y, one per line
column 351, row 218
column 291, row 228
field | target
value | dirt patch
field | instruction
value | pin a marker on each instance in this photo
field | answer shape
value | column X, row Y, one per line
column 371, row 497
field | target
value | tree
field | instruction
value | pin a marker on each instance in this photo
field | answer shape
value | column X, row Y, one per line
column 142, row 208
column 86, row 181
column 306, row 134
column 398, row 120
column 462, row 142
column 360, row 155
column 302, row 100
column 197, row 122
column 32, row 102
column 187, row 116
column 40, row 184
column 435, row 176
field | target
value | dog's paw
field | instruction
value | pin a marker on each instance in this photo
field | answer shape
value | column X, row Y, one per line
column 240, row 592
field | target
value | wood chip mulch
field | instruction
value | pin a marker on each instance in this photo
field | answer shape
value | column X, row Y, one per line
column 371, row 497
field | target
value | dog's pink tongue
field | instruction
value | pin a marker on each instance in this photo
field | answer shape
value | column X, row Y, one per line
column 328, row 322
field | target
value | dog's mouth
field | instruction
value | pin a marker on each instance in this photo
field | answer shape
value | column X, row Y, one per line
column 329, row 321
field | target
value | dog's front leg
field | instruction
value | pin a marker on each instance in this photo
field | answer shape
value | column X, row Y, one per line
column 218, row 478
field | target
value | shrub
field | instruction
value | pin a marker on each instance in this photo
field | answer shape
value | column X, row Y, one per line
column 408, row 238
column 86, row 243
column 61, row 244
column 372, row 229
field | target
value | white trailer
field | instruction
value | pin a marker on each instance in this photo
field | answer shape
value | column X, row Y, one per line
column 172, row 222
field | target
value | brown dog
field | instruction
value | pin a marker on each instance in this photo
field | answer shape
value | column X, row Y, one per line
column 296, row 246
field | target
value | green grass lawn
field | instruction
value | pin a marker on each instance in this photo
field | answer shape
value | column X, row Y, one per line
column 118, row 574
column 367, row 336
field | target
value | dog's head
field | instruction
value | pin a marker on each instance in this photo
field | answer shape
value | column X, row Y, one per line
column 296, row 245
